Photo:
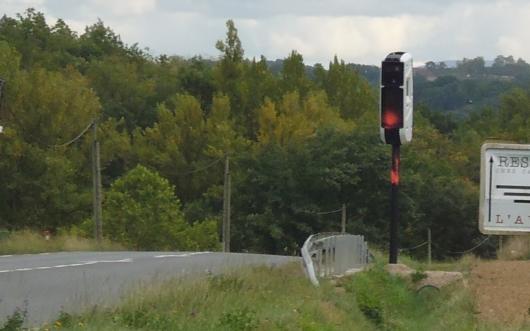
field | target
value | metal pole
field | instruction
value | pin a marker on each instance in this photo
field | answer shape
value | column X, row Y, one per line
column 226, row 207
column 429, row 247
column 500, row 246
column 394, row 209
column 343, row 219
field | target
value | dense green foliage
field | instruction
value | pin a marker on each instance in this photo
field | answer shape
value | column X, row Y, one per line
column 300, row 143
column 144, row 213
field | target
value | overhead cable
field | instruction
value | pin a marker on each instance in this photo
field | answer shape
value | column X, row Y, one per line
column 77, row 137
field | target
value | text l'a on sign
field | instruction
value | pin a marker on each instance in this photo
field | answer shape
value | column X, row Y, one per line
column 504, row 189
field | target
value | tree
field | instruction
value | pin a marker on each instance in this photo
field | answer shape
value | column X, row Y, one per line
column 258, row 84
column 430, row 65
column 347, row 91
column 293, row 121
column 123, row 90
column 195, row 78
column 228, row 76
column 43, row 185
column 183, row 140
column 231, row 47
column 472, row 67
column 293, row 74
column 99, row 41
column 141, row 211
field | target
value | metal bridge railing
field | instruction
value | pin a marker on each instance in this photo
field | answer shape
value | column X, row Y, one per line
column 331, row 254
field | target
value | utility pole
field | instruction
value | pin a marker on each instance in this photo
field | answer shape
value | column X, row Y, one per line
column 429, row 247
column 343, row 219
column 96, row 180
column 2, row 83
column 226, row 206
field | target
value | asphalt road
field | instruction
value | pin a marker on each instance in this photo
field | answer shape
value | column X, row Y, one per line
column 45, row 284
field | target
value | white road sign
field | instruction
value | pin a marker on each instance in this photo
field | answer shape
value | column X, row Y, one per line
column 504, row 189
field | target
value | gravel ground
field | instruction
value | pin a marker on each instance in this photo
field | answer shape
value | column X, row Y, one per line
column 502, row 291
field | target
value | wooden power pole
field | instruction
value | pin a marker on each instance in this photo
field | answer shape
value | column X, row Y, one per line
column 343, row 219
column 429, row 247
column 226, row 206
column 96, row 180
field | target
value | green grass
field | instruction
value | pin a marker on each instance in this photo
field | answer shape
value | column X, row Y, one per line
column 264, row 298
column 27, row 242
column 252, row 299
column 283, row 299
column 462, row 264
column 391, row 303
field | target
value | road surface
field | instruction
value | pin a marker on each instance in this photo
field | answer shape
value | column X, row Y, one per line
column 45, row 284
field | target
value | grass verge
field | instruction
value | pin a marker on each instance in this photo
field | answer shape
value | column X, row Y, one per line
column 28, row 242
column 391, row 303
column 260, row 298
column 283, row 299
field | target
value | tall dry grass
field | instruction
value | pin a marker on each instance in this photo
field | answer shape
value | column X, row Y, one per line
column 514, row 248
column 27, row 242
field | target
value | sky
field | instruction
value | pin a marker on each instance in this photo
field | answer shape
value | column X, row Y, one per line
column 357, row 31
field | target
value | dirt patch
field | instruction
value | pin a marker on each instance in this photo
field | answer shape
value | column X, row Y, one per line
column 502, row 291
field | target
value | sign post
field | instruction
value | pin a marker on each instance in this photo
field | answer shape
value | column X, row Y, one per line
column 504, row 189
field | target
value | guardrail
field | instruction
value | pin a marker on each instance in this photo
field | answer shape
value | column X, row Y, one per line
column 331, row 254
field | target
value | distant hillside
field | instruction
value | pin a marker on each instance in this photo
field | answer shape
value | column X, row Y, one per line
column 470, row 85
column 457, row 87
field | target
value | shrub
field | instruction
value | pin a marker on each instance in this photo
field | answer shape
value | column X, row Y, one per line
column 142, row 211
column 239, row 320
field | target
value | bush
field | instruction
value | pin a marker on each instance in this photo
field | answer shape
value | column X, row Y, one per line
column 201, row 236
column 141, row 211
column 15, row 321
column 239, row 320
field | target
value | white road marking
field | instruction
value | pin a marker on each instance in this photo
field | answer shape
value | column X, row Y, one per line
column 59, row 266
column 179, row 255
column 6, row 255
column 127, row 260
column 113, row 261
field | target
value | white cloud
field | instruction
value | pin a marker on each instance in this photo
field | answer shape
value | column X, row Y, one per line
column 121, row 8
column 363, row 31
column 353, row 38
column 12, row 7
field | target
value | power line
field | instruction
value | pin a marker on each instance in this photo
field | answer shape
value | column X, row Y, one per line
column 414, row 247
column 77, row 137
column 202, row 169
column 329, row 212
column 473, row 248
column 320, row 212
